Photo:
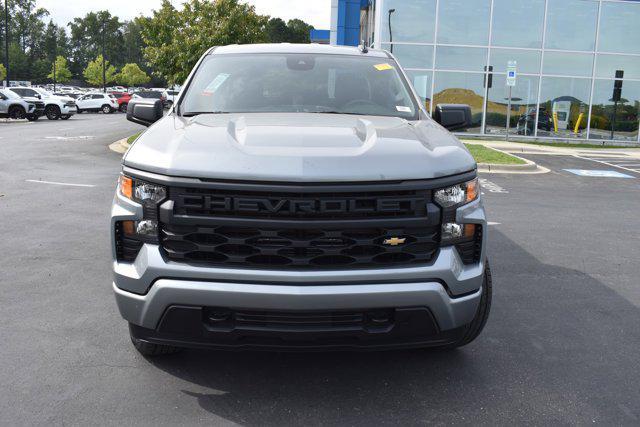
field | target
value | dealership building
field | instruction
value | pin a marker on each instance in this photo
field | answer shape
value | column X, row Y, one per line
column 577, row 62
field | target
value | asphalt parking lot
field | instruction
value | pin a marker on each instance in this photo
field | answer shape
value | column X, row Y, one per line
column 561, row 345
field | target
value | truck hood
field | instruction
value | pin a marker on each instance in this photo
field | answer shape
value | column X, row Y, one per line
column 298, row 147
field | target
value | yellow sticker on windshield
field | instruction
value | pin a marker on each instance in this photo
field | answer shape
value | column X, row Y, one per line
column 382, row 67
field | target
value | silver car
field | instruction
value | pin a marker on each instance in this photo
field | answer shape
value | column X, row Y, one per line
column 12, row 106
column 299, row 197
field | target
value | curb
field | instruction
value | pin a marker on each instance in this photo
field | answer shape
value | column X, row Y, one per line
column 527, row 167
column 120, row 146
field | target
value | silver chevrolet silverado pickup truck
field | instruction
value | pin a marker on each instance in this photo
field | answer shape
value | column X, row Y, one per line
column 299, row 197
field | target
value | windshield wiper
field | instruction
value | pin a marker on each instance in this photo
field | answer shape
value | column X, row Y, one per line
column 335, row 112
column 197, row 113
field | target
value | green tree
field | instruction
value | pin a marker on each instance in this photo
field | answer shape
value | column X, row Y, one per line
column 63, row 74
column 19, row 62
column 93, row 73
column 175, row 39
column 27, row 24
column 299, row 31
column 3, row 72
column 277, row 31
column 87, row 36
column 132, row 75
column 55, row 42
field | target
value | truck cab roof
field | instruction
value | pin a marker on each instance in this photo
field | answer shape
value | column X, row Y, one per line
column 296, row 48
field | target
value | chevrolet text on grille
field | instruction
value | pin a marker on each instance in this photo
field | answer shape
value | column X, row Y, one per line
column 292, row 206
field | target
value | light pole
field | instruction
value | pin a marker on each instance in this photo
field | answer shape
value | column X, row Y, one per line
column 6, row 38
column 390, row 33
column 104, row 70
column 55, row 58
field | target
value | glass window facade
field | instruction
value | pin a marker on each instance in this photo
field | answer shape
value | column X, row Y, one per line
column 518, row 23
column 567, row 54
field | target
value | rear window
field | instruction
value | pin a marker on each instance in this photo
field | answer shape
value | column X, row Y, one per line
column 149, row 94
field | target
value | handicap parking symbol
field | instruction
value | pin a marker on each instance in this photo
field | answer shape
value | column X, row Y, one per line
column 599, row 173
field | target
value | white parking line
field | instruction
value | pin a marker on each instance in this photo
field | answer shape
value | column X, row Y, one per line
column 69, row 138
column 59, row 183
column 493, row 223
column 491, row 187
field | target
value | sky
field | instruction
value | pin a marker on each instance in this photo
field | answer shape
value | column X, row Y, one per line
column 314, row 12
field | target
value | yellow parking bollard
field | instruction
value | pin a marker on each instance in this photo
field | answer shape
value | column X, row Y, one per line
column 577, row 128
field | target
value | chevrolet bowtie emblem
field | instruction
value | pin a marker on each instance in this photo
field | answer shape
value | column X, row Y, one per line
column 394, row 241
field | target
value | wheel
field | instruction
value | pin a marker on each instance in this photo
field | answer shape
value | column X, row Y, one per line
column 148, row 349
column 52, row 112
column 32, row 117
column 66, row 117
column 16, row 112
column 477, row 324
column 123, row 107
column 106, row 109
column 78, row 111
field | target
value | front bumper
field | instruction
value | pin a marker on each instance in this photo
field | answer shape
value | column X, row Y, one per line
column 150, row 287
column 38, row 112
column 68, row 110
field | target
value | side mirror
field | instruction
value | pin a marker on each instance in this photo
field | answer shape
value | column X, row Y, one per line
column 453, row 116
column 144, row 111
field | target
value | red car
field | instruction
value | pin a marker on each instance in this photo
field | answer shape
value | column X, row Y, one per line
column 123, row 100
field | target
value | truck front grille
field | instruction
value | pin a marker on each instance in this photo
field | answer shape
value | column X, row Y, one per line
column 313, row 248
column 300, row 227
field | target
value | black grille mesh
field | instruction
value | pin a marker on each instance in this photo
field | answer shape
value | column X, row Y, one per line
column 298, row 248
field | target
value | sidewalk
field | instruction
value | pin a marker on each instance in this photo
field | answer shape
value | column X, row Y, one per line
column 522, row 148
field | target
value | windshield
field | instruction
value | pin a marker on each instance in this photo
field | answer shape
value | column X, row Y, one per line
column 9, row 94
column 299, row 83
column 149, row 94
column 42, row 92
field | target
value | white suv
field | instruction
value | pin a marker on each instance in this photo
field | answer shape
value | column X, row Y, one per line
column 56, row 107
column 14, row 107
column 97, row 101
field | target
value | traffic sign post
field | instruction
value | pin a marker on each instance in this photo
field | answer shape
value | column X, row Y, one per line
column 512, row 74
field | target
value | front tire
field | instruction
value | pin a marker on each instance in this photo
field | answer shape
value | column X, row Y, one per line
column 476, row 326
column 148, row 349
column 67, row 117
column 52, row 112
column 16, row 112
column 123, row 108
column 32, row 117
column 106, row 109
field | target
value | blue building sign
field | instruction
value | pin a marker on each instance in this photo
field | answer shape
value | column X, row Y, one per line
column 348, row 23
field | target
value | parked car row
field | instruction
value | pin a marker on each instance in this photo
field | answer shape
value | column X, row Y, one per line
column 55, row 107
column 14, row 106
column 33, row 102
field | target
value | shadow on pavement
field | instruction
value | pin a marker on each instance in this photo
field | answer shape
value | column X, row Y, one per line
column 559, row 347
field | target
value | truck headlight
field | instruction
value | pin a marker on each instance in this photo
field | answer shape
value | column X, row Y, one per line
column 467, row 238
column 457, row 195
column 141, row 191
